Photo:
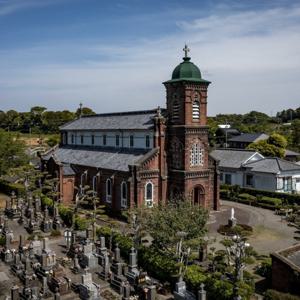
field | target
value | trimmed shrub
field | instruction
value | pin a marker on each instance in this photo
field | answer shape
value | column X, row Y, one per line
column 8, row 187
column 161, row 266
column 224, row 194
column 246, row 198
column 268, row 202
column 66, row 214
column 81, row 223
column 194, row 276
column 275, row 295
column 46, row 201
column 285, row 197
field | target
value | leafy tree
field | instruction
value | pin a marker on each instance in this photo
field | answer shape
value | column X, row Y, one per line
column 296, row 133
column 12, row 152
column 277, row 140
column 164, row 223
column 266, row 149
column 84, row 111
column 53, row 140
column 194, row 276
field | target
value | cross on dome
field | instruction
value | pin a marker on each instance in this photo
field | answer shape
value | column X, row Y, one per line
column 186, row 50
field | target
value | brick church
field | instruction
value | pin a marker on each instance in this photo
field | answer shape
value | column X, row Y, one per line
column 142, row 157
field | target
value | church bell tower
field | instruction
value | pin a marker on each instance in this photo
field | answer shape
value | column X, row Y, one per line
column 189, row 174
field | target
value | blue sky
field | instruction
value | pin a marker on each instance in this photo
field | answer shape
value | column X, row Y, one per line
column 114, row 55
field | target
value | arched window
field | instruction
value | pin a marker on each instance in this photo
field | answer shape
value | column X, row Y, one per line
column 124, row 194
column 108, row 191
column 196, row 108
column 149, row 194
column 196, row 155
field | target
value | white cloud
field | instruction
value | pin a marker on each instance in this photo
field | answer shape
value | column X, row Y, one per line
column 252, row 58
column 8, row 7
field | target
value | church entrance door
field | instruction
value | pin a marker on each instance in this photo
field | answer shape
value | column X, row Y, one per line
column 199, row 195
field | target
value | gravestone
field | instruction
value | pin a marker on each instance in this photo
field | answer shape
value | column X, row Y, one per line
column 118, row 280
column 14, row 292
column 33, row 225
column 47, row 260
column 17, row 267
column 8, row 252
column 151, row 292
column 76, row 267
column 46, row 224
column 104, row 267
column 88, row 290
column 202, row 293
column 181, row 292
column 57, row 222
column 59, row 282
column 133, row 271
column 87, row 258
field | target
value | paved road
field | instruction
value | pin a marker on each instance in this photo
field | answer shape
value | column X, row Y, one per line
column 270, row 232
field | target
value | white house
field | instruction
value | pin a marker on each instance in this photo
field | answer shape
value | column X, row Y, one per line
column 250, row 169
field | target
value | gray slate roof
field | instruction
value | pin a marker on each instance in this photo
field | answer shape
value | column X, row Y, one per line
column 231, row 158
column 114, row 121
column 272, row 165
column 68, row 170
column 249, row 137
column 112, row 159
column 291, row 153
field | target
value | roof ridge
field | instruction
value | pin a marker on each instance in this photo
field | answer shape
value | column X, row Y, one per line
column 122, row 113
column 236, row 149
column 255, row 161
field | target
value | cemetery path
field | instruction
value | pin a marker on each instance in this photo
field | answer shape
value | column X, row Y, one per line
column 270, row 232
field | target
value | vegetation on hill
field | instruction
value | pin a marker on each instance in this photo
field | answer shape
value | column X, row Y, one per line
column 286, row 123
column 39, row 119
column 274, row 146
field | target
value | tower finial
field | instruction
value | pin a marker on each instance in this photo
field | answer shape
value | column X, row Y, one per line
column 186, row 50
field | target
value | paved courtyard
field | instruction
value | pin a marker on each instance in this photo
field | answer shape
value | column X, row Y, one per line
column 270, row 232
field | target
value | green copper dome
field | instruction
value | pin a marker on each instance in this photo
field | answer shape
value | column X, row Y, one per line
column 186, row 71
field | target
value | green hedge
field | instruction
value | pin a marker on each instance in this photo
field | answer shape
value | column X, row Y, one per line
column 275, row 295
column 227, row 192
column 269, row 202
column 7, row 188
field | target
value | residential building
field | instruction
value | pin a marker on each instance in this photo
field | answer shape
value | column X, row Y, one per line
column 244, row 140
column 250, row 169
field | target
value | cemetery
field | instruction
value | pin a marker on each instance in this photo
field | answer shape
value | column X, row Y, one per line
column 49, row 251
